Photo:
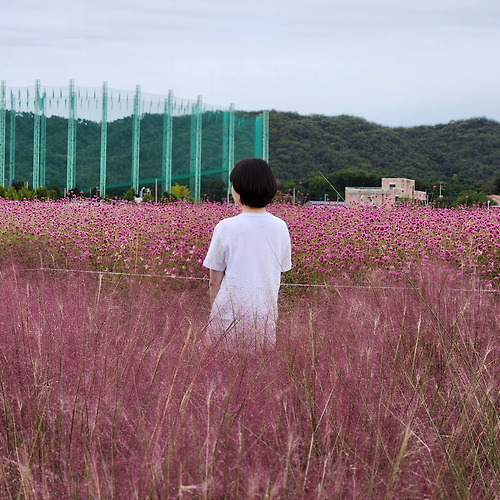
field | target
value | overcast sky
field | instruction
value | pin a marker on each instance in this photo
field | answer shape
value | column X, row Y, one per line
column 393, row 62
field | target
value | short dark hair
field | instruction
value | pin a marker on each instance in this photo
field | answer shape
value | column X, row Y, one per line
column 254, row 181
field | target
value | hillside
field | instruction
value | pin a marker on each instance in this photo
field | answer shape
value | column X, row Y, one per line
column 301, row 146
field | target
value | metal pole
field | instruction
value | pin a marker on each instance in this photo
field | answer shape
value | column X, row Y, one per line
column 43, row 139
column 228, row 147
column 230, row 151
column 195, row 161
column 36, row 137
column 167, row 143
column 104, row 140
column 136, row 137
column 71, row 158
column 12, row 145
column 257, row 145
column 3, row 105
column 265, row 135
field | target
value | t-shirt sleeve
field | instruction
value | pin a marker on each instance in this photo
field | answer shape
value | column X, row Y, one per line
column 216, row 255
column 286, row 263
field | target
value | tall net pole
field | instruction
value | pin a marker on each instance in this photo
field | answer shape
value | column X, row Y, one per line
column 12, row 144
column 261, row 140
column 43, row 138
column 3, row 105
column 71, row 158
column 257, row 142
column 136, row 137
column 225, row 145
column 195, row 160
column 36, row 138
column 228, row 146
column 265, row 135
column 104, row 140
column 167, row 142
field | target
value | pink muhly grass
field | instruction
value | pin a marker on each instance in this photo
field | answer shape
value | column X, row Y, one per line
column 108, row 389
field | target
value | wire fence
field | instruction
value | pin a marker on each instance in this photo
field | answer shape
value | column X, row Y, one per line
column 42, row 268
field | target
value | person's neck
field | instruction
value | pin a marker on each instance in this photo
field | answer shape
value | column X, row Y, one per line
column 253, row 210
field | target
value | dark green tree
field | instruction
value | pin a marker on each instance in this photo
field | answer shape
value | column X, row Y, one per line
column 216, row 190
column 129, row 194
column 41, row 193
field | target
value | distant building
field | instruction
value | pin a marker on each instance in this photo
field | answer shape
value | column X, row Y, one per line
column 495, row 200
column 393, row 189
column 328, row 204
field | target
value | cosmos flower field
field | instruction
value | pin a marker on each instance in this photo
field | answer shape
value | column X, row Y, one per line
column 384, row 383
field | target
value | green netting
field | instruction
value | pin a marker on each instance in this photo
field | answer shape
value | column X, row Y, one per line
column 109, row 140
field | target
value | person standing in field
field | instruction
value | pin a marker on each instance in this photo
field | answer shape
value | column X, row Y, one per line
column 246, row 257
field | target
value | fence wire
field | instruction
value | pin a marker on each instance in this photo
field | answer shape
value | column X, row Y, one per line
column 193, row 278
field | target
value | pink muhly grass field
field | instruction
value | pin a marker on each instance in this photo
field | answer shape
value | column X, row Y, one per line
column 109, row 391
column 384, row 383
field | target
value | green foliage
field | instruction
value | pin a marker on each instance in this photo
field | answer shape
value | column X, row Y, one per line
column 55, row 193
column 496, row 184
column 42, row 192
column 129, row 194
column 25, row 194
column 180, row 192
column 217, row 190
column 11, row 193
column 471, row 197
column 167, row 197
column 148, row 197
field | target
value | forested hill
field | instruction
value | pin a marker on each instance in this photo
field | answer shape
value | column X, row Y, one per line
column 302, row 146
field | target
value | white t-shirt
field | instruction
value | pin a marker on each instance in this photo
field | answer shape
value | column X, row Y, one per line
column 252, row 250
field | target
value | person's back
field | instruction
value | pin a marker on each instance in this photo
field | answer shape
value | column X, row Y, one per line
column 247, row 255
